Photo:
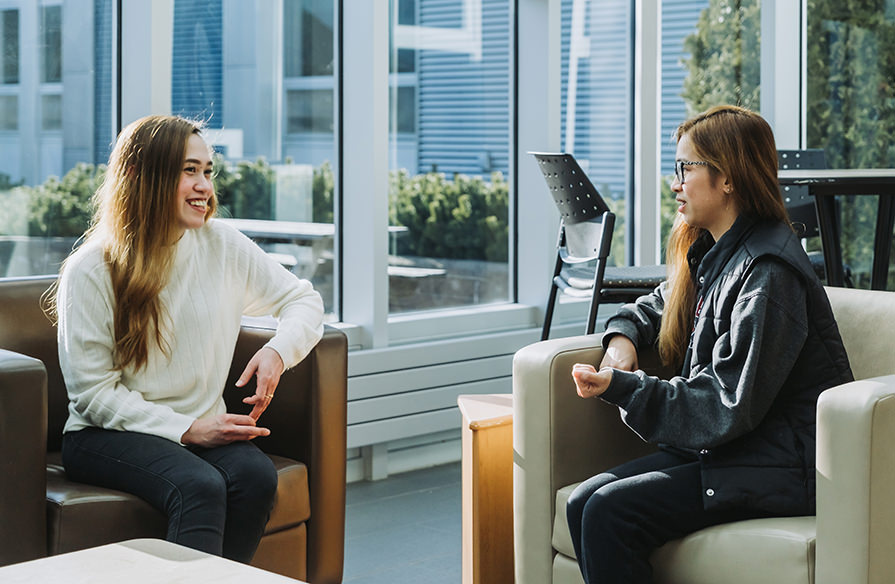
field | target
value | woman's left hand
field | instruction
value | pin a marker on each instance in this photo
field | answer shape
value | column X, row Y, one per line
column 267, row 366
column 588, row 381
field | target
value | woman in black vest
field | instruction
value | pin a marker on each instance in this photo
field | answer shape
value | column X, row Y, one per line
column 747, row 323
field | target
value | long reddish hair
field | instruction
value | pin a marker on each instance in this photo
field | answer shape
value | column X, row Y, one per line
column 739, row 144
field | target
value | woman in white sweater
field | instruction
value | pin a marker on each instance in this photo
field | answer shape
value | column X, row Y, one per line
column 148, row 312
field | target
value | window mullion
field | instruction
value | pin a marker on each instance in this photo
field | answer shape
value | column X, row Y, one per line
column 364, row 126
column 146, row 54
column 781, row 70
column 538, row 129
column 647, row 150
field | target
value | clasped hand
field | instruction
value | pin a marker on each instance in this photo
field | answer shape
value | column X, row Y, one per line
column 267, row 366
column 620, row 354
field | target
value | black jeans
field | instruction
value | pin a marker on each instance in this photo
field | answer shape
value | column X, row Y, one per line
column 617, row 518
column 217, row 500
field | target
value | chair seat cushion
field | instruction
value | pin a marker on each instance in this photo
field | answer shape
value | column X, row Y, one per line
column 293, row 503
column 723, row 553
column 634, row 276
column 81, row 515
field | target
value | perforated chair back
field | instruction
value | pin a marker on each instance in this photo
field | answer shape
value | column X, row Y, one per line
column 581, row 208
column 585, row 232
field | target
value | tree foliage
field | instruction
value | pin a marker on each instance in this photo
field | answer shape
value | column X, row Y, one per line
column 851, row 90
column 851, row 104
column 724, row 65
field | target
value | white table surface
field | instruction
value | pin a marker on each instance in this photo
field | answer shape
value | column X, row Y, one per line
column 137, row 561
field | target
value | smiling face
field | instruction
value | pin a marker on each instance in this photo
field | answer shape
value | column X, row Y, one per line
column 704, row 198
column 195, row 188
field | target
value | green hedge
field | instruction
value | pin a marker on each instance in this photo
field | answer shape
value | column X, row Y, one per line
column 56, row 208
column 458, row 218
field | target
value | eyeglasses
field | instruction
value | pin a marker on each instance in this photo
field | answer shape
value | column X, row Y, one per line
column 679, row 166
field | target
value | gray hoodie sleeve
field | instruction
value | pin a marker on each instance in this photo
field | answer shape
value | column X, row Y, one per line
column 639, row 321
column 759, row 332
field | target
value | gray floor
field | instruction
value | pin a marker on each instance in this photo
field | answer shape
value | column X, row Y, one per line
column 405, row 529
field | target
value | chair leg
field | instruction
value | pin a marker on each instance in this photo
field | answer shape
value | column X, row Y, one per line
column 551, row 300
column 595, row 299
column 548, row 314
column 600, row 269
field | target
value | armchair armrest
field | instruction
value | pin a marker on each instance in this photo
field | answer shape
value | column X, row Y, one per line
column 308, row 421
column 558, row 439
column 855, row 474
column 23, row 458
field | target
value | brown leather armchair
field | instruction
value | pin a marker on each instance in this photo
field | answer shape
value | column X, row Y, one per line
column 306, row 531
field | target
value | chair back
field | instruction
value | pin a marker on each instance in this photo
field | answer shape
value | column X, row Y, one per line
column 587, row 222
column 798, row 201
column 584, row 241
column 24, row 328
column 575, row 196
column 864, row 319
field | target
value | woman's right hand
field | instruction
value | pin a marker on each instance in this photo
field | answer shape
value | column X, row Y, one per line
column 620, row 354
column 222, row 429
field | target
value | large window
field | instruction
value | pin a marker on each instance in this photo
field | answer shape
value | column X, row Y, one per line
column 449, row 152
column 597, row 102
column 55, row 127
column 851, row 107
column 265, row 77
column 275, row 147
column 227, row 63
column 711, row 55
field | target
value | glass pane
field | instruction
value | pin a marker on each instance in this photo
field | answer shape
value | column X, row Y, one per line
column 711, row 55
column 308, row 42
column 597, row 101
column 9, row 42
column 851, row 109
column 9, row 112
column 51, row 34
column 47, row 178
column 274, row 164
column 51, row 112
column 309, row 110
column 449, row 154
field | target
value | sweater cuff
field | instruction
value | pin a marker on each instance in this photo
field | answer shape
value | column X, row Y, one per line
column 289, row 355
column 621, row 387
column 176, row 428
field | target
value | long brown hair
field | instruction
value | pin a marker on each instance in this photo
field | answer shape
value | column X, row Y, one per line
column 739, row 144
column 136, row 222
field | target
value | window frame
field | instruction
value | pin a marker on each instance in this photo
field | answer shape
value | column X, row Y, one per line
column 360, row 118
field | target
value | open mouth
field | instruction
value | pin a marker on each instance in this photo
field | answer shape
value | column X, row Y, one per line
column 201, row 204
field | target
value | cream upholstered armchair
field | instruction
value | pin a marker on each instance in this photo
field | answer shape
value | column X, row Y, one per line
column 560, row 439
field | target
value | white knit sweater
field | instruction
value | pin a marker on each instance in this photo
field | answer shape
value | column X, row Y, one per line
column 218, row 275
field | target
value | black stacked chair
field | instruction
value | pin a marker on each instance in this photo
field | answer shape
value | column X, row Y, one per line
column 585, row 238
column 800, row 204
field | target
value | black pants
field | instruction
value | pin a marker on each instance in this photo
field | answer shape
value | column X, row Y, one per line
column 217, row 500
column 617, row 518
